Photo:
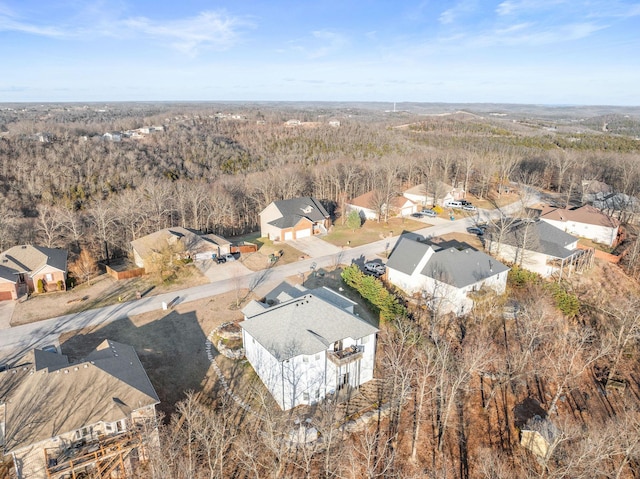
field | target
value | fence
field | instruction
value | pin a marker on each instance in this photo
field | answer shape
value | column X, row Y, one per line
column 125, row 274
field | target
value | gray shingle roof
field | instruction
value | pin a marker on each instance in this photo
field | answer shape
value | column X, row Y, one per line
column 407, row 254
column 540, row 237
column 304, row 325
column 458, row 268
column 30, row 259
column 305, row 206
column 47, row 396
column 462, row 268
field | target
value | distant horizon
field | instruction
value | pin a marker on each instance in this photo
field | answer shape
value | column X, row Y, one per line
column 346, row 102
column 543, row 52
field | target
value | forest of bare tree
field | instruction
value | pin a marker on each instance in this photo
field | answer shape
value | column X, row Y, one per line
column 452, row 385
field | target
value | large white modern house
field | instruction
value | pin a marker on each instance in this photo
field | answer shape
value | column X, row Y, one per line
column 305, row 344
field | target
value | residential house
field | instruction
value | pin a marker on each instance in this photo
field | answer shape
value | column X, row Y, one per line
column 180, row 242
column 444, row 274
column 21, row 267
column 294, row 218
column 372, row 207
column 436, row 193
column 305, row 344
column 63, row 419
column 585, row 221
column 534, row 245
column 624, row 207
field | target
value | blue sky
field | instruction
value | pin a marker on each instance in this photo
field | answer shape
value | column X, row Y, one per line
column 510, row 51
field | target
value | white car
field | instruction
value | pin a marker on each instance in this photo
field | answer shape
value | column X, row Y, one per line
column 468, row 207
column 376, row 268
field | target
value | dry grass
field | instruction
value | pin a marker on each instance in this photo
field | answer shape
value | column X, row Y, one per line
column 371, row 231
column 103, row 291
column 171, row 344
column 260, row 259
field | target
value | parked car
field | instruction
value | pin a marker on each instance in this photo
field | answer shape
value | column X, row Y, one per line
column 229, row 257
column 50, row 348
column 468, row 207
column 474, row 230
column 453, row 204
column 429, row 213
column 221, row 259
column 375, row 268
column 416, row 215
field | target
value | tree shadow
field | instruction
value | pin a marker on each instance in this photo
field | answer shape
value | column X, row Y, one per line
column 172, row 350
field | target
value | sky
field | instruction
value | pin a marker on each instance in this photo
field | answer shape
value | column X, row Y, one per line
column 551, row 52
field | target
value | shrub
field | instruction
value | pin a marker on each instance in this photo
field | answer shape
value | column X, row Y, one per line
column 521, row 278
column 438, row 209
column 374, row 291
column 40, row 286
column 60, row 285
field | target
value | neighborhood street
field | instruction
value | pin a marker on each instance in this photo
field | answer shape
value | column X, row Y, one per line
column 14, row 342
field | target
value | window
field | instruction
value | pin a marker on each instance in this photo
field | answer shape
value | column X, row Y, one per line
column 48, row 277
column 317, row 394
column 364, row 340
column 317, row 357
column 305, row 359
column 305, row 397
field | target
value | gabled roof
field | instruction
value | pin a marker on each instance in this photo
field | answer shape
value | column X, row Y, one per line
column 538, row 236
column 586, row 214
column 305, row 206
column 461, row 268
column 288, row 221
column 192, row 240
column 367, row 200
column 30, row 259
column 47, row 396
column 458, row 268
column 306, row 325
column 364, row 201
column 407, row 254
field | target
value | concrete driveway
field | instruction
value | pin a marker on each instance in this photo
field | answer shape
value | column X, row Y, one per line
column 6, row 311
column 224, row 271
column 314, row 247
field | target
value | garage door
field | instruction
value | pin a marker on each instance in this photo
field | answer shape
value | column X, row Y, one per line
column 288, row 235
column 5, row 295
column 303, row 234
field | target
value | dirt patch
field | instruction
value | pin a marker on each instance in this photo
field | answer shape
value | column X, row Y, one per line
column 461, row 239
column 171, row 345
column 341, row 235
column 103, row 291
column 267, row 249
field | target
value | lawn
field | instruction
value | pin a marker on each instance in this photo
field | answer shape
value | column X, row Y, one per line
column 341, row 235
column 260, row 259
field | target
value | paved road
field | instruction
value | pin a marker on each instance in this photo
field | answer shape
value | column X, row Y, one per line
column 14, row 342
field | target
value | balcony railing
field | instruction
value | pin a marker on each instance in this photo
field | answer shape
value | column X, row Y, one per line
column 346, row 355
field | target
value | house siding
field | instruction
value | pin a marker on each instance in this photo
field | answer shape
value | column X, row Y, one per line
column 307, row 379
column 600, row 234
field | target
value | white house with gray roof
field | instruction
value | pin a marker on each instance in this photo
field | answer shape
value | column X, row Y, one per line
column 305, row 344
column 537, row 246
column 294, row 218
column 444, row 275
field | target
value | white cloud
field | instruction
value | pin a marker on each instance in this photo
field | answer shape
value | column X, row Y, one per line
column 323, row 44
column 530, row 34
column 460, row 9
column 207, row 30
